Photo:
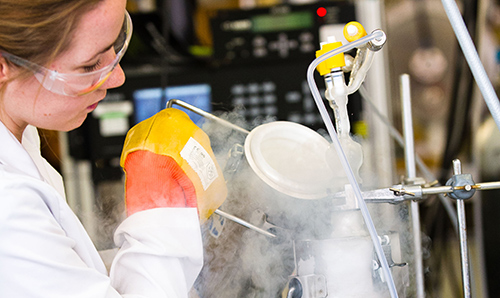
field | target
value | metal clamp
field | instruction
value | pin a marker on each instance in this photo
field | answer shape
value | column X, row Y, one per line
column 461, row 183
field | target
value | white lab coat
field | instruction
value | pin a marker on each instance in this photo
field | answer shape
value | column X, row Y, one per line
column 45, row 251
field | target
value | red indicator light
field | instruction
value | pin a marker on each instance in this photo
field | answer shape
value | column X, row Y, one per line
column 321, row 12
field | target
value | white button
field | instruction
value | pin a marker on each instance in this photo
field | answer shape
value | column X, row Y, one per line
column 259, row 41
column 253, row 88
column 260, row 52
column 254, row 112
column 307, row 47
column 293, row 97
column 306, row 37
column 239, row 101
column 270, row 98
column 271, row 110
column 268, row 86
column 310, row 118
column 308, row 104
column 295, row 118
column 254, row 100
column 237, row 89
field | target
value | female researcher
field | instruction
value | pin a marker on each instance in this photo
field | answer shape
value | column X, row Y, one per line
column 57, row 58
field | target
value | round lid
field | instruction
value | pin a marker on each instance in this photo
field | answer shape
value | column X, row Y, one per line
column 290, row 158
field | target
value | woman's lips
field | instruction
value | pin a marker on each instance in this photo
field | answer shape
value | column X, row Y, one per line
column 92, row 107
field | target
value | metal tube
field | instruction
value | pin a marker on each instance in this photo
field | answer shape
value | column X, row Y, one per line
column 472, row 58
column 462, row 225
column 435, row 190
column 488, row 185
column 206, row 115
column 411, row 172
column 244, row 223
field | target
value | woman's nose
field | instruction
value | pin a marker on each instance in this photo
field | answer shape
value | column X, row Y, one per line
column 116, row 79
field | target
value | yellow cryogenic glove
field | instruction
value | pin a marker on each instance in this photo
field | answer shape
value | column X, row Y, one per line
column 168, row 162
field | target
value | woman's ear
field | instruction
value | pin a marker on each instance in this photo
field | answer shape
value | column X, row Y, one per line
column 4, row 70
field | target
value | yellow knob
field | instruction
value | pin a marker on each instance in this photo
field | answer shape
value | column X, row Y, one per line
column 353, row 31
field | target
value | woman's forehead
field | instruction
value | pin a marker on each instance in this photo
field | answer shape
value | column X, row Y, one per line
column 98, row 28
column 100, row 23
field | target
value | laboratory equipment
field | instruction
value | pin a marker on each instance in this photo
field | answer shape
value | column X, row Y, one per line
column 263, row 151
column 285, row 220
column 265, row 97
column 319, row 256
column 280, row 32
column 314, row 258
column 262, row 148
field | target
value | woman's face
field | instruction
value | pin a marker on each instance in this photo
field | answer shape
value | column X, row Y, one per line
column 26, row 102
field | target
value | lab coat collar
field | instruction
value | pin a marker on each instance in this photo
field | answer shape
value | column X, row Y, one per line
column 14, row 156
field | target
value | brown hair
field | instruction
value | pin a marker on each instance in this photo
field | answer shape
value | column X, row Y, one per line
column 39, row 30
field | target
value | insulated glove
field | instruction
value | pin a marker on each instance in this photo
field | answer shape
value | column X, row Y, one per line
column 168, row 162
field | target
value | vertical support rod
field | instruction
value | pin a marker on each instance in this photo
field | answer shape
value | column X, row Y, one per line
column 411, row 173
column 462, row 233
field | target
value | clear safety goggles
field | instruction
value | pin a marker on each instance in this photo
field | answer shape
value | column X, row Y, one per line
column 78, row 83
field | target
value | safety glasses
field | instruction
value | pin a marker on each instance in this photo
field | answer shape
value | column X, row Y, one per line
column 79, row 83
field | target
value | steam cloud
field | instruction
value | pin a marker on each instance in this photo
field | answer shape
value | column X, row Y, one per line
column 315, row 236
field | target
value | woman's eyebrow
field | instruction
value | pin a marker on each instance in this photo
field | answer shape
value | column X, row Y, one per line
column 99, row 53
column 104, row 50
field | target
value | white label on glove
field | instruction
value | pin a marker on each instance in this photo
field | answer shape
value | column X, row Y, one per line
column 201, row 162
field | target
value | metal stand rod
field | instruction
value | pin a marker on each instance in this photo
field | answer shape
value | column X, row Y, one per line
column 462, row 226
column 411, row 173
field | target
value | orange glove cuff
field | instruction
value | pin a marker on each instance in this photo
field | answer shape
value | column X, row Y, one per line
column 155, row 181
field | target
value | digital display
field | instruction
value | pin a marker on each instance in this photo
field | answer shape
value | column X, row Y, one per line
column 147, row 102
column 150, row 101
column 199, row 96
column 290, row 21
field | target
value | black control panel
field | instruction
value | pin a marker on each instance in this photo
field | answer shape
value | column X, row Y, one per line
column 256, row 92
column 264, row 78
column 277, row 91
column 279, row 32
